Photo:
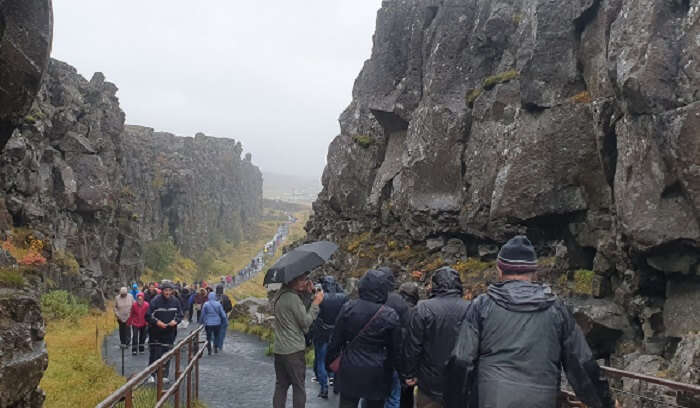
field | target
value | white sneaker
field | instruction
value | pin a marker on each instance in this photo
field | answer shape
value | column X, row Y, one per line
column 166, row 380
column 151, row 380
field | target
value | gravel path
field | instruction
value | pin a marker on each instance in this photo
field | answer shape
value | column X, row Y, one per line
column 240, row 376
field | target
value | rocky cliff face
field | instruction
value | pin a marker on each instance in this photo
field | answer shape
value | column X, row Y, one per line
column 195, row 190
column 91, row 190
column 572, row 121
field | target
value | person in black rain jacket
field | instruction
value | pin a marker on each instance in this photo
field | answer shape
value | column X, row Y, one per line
column 521, row 335
column 333, row 300
column 431, row 336
column 164, row 314
column 368, row 361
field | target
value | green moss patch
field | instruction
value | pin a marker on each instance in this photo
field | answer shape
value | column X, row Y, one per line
column 583, row 281
column 11, row 277
column 364, row 141
column 501, row 78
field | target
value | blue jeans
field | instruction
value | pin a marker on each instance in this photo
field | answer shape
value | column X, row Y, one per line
column 394, row 398
column 321, row 348
column 222, row 335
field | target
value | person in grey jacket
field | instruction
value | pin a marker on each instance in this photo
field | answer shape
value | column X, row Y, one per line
column 520, row 335
column 213, row 316
column 122, row 308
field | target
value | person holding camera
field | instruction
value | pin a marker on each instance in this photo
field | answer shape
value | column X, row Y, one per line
column 292, row 321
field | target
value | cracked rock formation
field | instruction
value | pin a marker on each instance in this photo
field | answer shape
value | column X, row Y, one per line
column 575, row 122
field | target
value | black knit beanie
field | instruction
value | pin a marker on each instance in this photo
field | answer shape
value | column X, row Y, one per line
column 517, row 256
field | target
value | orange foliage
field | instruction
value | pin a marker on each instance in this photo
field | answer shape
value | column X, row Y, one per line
column 33, row 258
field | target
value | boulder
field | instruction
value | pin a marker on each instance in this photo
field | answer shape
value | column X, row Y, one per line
column 603, row 323
column 680, row 314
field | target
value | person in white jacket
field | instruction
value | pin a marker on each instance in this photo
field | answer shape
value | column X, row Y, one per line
column 122, row 309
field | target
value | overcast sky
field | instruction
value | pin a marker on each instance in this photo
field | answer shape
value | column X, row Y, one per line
column 274, row 74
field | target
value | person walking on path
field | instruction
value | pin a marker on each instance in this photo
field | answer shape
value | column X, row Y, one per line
column 122, row 309
column 431, row 336
column 139, row 326
column 329, row 310
column 134, row 290
column 228, row 307
column 292, row 322
column 199, row 299
column 520, row 335
column 164, row 314
column 213, row 316
column 401, row 307
column 409, row 293
column 364, row 340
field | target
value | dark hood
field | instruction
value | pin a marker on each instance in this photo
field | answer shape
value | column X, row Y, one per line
column 522, row 296
column 446, row 282
column 329, row 285
column 374, row 287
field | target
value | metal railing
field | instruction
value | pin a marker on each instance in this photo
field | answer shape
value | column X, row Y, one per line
column 685, row 393
column 128, row 393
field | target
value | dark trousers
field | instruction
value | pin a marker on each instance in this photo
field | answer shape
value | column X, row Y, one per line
column 159, row 344
column 424, row 401
column 407, row 397
column 213, row 333
column 138, row 338
column 290, row 369
column 124, row 334
column 349, row 402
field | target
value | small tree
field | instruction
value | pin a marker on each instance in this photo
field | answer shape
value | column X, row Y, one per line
column 160, row 254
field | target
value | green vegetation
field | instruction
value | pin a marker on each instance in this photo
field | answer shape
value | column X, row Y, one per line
column 11, row 277
column 517, row 18
column 503, row 77
column 160, row 254
column 67, row 262
column 583, row 281
column 365, row 141
column 59, row 304
column 472, row 95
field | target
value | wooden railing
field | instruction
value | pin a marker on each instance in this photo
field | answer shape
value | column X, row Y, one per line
column 129, row 392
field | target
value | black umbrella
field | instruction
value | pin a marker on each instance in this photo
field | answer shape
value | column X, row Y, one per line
column 299, row 261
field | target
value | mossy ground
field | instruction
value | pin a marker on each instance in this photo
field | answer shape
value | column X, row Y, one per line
column 364, row 141
column 503, row 77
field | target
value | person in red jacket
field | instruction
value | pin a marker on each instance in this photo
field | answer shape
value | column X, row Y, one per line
column 139, row 326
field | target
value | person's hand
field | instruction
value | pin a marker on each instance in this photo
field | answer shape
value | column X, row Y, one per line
column 618, row 404
column 172, row 323
column 161, row 324
column 318, row 297
column 411, row 382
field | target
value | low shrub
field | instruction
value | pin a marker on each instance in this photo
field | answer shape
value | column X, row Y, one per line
column 364, row 141
column 160, row 254
column 11, row 277
column 583, row 281
column 59, row 305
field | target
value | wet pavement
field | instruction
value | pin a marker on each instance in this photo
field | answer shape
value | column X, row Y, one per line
column 242, row 375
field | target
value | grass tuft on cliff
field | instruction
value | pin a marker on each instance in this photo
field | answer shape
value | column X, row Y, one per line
column 364, row 141
column 583, row 281
column 501, row 78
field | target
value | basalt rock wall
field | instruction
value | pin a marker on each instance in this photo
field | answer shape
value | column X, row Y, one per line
column 575, row 122
column 195, row 190
column 88, row 192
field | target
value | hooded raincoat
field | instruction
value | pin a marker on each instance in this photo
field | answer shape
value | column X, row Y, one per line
column 433, row 332
column 369, row 360
column 212, row 312
column 521, row 335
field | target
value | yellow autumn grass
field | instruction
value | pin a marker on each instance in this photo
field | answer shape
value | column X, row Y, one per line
column 254, row 287
column 77, row 376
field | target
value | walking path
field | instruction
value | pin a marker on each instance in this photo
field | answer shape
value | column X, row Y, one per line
column 242, row 375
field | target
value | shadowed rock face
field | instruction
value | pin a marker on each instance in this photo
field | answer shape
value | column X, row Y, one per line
column 572, row 121
column 26, row 30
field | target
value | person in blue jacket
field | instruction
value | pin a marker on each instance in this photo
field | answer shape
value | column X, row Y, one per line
column 213, row 316
column 134, row 290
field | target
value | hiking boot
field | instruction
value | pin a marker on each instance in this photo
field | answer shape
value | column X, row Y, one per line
column 216, row 350
column 133, row 353
column 323, row 394
column 314, row 379
column 151, row 380
column 208, row 349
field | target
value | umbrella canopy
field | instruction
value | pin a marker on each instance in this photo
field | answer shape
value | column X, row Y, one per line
column 299, row 261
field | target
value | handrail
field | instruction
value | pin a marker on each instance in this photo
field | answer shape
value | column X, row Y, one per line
column 570, row 399
column 615, row 372
column 140, row 377
column 176, row 386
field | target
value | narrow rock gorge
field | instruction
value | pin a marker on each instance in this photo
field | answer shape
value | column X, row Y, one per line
column 574, row 122
column 81, row 193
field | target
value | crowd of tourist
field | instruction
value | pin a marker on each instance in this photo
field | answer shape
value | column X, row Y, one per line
column 506, row 348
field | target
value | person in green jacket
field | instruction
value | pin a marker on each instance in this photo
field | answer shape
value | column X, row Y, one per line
column 292, row 320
